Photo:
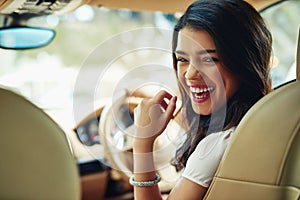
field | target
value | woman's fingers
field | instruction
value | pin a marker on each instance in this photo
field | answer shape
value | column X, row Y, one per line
column 163, row 98
column 160, row 96
column 171, row 108
column 151, row 118
column 155, row 112
column 164, row 104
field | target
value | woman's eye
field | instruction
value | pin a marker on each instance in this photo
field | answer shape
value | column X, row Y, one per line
column 210, row 60
column 180, row 59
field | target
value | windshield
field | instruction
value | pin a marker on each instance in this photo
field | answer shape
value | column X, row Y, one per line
column 47, row 76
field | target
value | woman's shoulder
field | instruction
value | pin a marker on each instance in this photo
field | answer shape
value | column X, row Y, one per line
column 214, row 142
column 222, row 133
column 203, row 162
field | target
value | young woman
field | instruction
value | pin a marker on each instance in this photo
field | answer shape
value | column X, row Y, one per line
column 221, row 54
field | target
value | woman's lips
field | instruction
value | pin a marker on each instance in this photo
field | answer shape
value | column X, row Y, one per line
column 200, row 93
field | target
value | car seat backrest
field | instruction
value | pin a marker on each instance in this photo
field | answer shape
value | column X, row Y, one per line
column 263, row 159
column 36, row 158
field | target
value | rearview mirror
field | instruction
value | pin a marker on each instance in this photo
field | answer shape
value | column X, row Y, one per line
column 24, row 37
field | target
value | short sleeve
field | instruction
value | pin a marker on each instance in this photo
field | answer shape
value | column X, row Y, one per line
column 204, row 161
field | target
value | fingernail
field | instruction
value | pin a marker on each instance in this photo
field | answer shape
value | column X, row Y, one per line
column 174, row 98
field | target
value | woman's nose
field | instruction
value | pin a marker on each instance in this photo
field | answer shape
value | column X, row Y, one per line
column 191, row 72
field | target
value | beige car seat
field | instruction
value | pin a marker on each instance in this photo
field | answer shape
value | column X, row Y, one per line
column 263, row 159
column 36, row 161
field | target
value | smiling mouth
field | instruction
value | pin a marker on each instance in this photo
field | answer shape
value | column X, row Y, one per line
column 201, row 93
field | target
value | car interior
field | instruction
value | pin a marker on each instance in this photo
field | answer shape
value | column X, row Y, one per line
column 40, row 159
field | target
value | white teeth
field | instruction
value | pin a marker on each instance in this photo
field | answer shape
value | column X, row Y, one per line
column 201, row 90
column 200, row 96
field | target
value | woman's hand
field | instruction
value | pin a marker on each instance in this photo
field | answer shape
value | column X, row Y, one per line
column 151, row 117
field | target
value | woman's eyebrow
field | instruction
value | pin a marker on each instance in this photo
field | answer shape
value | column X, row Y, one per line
column 180, row 52
column 205, row 51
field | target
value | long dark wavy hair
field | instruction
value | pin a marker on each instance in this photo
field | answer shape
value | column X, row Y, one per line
column 244, row 45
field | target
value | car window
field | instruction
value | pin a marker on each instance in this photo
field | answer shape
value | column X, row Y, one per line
column 283, row 21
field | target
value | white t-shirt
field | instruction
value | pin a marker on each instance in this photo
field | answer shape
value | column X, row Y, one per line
column 204, row 161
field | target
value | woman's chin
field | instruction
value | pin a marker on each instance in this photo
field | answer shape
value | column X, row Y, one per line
column 202, row 110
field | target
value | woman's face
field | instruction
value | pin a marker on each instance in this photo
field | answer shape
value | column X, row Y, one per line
column 205, row 80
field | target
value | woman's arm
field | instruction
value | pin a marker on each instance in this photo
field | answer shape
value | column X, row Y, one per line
column 151, row 118
column 144, row 171
column 187, row 189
